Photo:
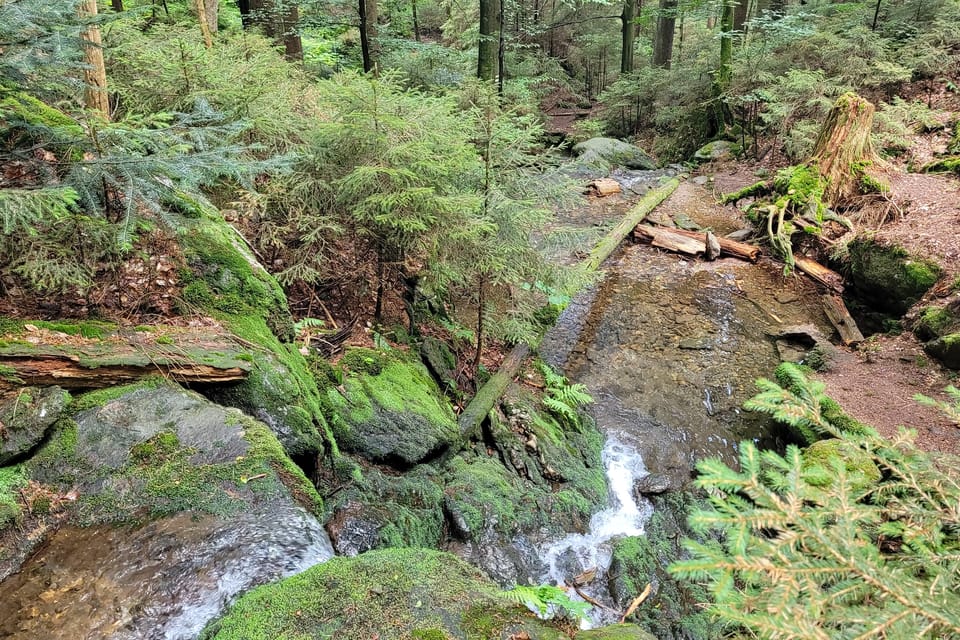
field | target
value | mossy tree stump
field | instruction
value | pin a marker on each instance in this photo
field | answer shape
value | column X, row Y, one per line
column 843, row 147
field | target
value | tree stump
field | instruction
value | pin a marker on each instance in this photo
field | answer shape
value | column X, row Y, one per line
column 843, row 147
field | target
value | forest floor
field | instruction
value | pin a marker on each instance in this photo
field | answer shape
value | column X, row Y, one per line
column 876, row 381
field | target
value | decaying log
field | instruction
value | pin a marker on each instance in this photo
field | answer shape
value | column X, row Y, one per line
column 612, row 240
column 50, row 358
column 728, row 247
column 830, row 279
column 840, row 318
column 488, row 395
column 604, row 187
column 670, row 240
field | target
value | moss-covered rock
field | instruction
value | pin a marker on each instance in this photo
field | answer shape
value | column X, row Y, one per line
column 225, row 279
column 26, row 415
column 888, row 277
column 156, row 449
column 12, row 480
column 390, row 594
column 946, row 349
column 673, row 608
column 390, row 410
column 821, row 457
column 602, row 153
column 617, row 632
column 381, row 511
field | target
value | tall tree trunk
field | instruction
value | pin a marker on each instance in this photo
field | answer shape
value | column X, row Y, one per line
column 666, row 26
column 278, row 23
column 778, row 7
column 489, row 44
column 212, row 9
column 117, row 5
column 724, row 74
column 95, row 73
column 366, row 49
column 204, row 25
column 416, row 20
column 740, row 13
column 628, row 32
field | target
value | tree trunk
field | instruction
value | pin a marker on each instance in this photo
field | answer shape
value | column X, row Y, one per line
column 843, row 146
column 724, row 74
column 212, row 10
column 95, row 74
column 117, row 5
column 629, row 35
column 280, row 24
column 369, row 42
column 204, row 25
column 666, row 26
column 740, row 13
column 416, row 20
column 488, row 49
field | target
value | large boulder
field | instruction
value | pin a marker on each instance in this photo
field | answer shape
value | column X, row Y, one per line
column 946, row 349
column 210, row 506
column 605, row 153
column 889, row 278
column 25, row 417
column 391, row 594
column 389, row 409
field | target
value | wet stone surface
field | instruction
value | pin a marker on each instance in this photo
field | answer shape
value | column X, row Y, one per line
column 670, row 349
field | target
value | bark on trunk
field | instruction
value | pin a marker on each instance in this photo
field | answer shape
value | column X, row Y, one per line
column 489, row 44
column 279, row 24
column 117, row 5
column 666, row 26
column 843, row 147
column 204, row 25
column 370, row 50
column 95, row 73
column 212, row 10
column 628, row 35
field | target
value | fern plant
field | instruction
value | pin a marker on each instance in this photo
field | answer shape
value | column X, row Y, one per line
column 561, row 398
column 547, row 600
column 806, row 549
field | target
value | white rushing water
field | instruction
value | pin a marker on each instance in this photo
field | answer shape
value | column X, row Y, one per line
column 625, row 516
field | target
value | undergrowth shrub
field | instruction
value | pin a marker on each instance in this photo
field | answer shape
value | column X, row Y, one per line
column 808, row 549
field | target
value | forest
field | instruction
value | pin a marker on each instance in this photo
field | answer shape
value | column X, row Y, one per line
column 280, row 265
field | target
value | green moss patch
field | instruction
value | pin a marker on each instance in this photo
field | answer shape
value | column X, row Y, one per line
column 934, row 322
column 12, row 479
column 390, row 409
column 822, row 460
column 175, row 452
column 390, row 594
column 888, row 277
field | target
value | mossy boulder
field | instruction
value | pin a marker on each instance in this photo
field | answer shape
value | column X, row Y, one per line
column 935, row 321
column 888, row 277
column 382, row 511
column 389, row 409
column 617, row 632
column 822, row 460
column 716, row 150
column 946, row 349
column 226, row 280
column 390, row 594
column 157, row 449
column 673, row 608
column 25, row 416
column 604, row 153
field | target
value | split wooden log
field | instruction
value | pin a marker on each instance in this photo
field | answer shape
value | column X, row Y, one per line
column 671, row 240
column 728, row 247
column 92, row 364
column 828, row 278
column 604, row 187
column 840, row 318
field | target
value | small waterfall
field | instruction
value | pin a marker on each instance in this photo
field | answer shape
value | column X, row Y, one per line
column 576, row 553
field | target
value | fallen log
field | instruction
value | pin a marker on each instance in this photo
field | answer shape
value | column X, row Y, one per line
column 841, row 320
column 828, row 278
column 671, row 240
column 488, row 395
column 42, row 357
column 602, row 187
column 728, row 247
column 611, row 241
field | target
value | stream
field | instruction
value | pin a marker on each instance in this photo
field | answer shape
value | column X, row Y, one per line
column 670, row 349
